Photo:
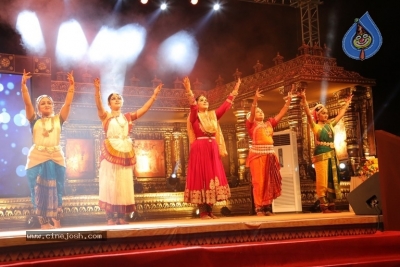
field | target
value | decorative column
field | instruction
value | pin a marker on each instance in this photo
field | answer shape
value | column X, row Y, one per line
column 242, row 139
column 351, row 124
column 232, row 165
column 177, row 154
column 168, row 153
column 299, row 125
column 369, row 148
column 186, row 145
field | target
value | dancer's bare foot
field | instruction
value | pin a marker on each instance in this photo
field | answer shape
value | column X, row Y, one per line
column 212, row 215
column 46, row 226
column 122, row 221
column 56, row 223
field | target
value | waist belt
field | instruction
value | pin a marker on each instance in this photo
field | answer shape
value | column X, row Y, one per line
column 329, row 144
column 49, row 149
column 262, row 149
column 206, row 137
column 118, row 137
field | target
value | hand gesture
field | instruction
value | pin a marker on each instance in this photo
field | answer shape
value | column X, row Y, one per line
column 348, row 99
column 186, row 84
column 158, row 89
column 258, row 94
column 25, row 77
column 289, row 96
column 97, row 83
column 237, row 85
column 70, row 77
column 302, row 95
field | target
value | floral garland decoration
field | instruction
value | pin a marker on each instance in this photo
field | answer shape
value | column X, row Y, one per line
column 369, row 167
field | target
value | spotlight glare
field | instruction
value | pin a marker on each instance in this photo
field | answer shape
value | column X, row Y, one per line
column 216, row 7
column 144, row 1
column 70, row 51
column 29, row 28
column 163, row 6
column 342, row 166
column 194, row 2
column 173, row 175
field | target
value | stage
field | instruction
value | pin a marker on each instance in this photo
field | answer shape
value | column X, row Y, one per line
column 293, row 239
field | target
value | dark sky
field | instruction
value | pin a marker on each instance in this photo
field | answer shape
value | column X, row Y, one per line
column 237, row 37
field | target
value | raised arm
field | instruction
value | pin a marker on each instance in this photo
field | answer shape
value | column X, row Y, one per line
column 307, row 109
column 141, row 111
column 30, row 110
column 64, row 112
column 343, row 109
column 97, row 97
column 254, row 105
column 227, row 104
column 189, row 93
column 285, row 107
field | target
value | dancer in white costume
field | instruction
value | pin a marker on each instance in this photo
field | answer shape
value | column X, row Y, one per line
column 117, row 159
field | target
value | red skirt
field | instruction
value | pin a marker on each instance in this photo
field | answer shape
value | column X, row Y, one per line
column 206, row 180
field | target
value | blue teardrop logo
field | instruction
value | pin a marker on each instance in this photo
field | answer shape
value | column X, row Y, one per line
column 363, row 39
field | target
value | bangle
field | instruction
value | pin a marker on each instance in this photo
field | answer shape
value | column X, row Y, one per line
column 190, row 93
column 254, row 105
column 154, row 98
column 70, row 90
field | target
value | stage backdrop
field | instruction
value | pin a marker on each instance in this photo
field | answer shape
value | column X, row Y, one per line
column 15, row 138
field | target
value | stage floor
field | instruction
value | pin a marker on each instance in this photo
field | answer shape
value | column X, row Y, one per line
column 199, row 226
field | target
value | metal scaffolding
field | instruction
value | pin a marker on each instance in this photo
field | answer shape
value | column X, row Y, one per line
column 308, row 15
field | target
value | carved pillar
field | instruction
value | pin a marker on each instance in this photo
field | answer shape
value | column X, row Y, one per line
column 351, row 123
column 168, row 153
column 241, row 109
column 370, row 122
column 296, row 122
column 97, row 134
column 232, row 165
column 186, row 144
column 177, row 154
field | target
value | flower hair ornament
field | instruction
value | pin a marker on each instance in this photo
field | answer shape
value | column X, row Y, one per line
column 40, row 99
column 316, row 110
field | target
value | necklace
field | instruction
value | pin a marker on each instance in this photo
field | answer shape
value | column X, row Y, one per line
column 123, row 124
column 46, row 132
column 328, row 132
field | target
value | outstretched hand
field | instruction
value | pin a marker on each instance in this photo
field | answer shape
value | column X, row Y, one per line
column 97, row 83
column 25, row 77
column 348, row 99
column 186, row 84
column 236, row 88
column 258, row 93
column 70, row 77
column 158, row 88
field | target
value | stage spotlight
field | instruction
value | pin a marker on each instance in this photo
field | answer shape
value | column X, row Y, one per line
column 144, row 1
column 196, row 213
column 233, row 181
column 138, row 188
column 134, row 216
column 226, row 211
column 194, row 2
column 216, row 7
column 311, row 172
column 163, row 6
column 344, row 171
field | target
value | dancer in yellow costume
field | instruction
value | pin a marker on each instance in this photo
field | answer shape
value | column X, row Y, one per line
column 324, row 159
